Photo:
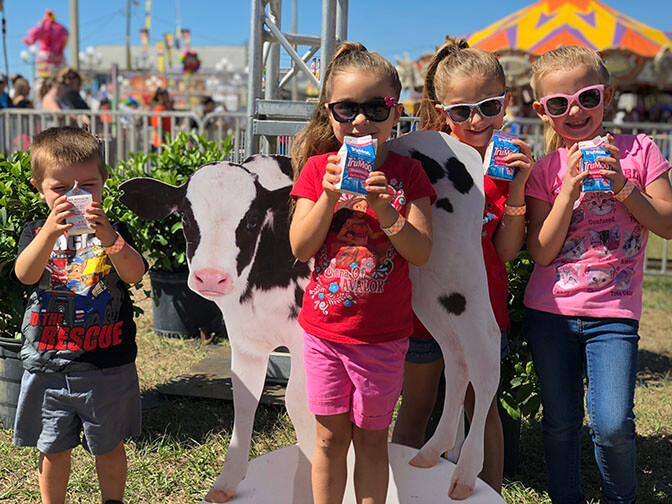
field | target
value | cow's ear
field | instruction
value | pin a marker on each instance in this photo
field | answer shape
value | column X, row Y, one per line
column 151, row 199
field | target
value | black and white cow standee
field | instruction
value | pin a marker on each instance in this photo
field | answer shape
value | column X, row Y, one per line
column 450, row 297
column 236, row 223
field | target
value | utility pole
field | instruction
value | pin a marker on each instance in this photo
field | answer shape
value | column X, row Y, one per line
column 295, row 23
column 128, row 35
column 74, row 34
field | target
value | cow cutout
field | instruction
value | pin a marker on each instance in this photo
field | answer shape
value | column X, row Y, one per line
column 235, row 221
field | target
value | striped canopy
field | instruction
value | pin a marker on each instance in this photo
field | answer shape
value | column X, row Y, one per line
column 549, row 23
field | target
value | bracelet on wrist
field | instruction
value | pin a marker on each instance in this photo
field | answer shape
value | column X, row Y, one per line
column 625, row 191
column 396, row 227
column 515, row 210
column 116, row 247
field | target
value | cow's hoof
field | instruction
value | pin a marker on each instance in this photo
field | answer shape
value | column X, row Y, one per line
column 217, row 497
column 460, row 491
column 421, row 460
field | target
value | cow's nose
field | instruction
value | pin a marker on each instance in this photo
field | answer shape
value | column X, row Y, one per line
column 211, row 282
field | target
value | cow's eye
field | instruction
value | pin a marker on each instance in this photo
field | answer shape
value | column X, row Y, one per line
column 252, row 221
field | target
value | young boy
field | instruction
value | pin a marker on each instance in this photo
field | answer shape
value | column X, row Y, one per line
column 79, row 349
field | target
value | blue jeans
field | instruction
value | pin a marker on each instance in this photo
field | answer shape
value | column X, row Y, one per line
column 564, row 349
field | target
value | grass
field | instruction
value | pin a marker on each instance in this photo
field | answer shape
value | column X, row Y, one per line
column 183, row 440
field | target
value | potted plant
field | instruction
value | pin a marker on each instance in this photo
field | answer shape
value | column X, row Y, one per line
column 177, row 310
column 19, row 203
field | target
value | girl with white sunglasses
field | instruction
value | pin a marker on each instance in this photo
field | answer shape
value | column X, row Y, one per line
column 584, row 298
column 465, row 96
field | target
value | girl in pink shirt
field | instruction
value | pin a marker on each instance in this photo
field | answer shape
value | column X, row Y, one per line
column 584, row 296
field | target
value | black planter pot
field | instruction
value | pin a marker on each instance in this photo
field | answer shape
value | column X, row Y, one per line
column 179, row 312
column 11, row 371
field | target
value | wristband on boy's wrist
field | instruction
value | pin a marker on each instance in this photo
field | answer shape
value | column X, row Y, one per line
column 116, row 247
column 625, row 191
column 396, row 227
column 515, row 210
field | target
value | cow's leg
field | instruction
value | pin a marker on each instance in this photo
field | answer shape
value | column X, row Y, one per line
column 456, row 386
column 483, row 356
column 296, row 400
column 248, row 373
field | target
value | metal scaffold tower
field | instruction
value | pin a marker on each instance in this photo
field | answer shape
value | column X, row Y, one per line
column 267, row 115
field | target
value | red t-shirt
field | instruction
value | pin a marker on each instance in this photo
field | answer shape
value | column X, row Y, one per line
column 496, row 194
column 360, row 290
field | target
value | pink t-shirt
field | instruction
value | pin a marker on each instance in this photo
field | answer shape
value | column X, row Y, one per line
column 360, row 290
column 599, row 271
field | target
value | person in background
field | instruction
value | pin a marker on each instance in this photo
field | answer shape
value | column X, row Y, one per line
column 21, row 98
column 72, row 99
column 5, row 101
column 162, row 103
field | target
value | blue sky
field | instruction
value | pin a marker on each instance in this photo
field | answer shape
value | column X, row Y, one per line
column 387, row 26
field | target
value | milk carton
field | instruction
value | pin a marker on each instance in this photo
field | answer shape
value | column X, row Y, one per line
column 591, row 150
column 80, row 200
column 358, row 154
column 501, row 146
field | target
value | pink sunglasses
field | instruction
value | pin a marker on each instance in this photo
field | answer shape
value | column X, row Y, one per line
column 588, row 98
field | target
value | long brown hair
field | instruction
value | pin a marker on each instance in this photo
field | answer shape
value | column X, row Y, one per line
column 317, row 137
column 564, row 58
column 454, row 59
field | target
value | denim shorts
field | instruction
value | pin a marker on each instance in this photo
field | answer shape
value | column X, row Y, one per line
column 427, row 350
column 97, row 408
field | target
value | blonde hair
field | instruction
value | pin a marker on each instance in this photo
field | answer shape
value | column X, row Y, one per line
column 564, row 58
column 454, row 59
column 64, row 146
column 317, row 137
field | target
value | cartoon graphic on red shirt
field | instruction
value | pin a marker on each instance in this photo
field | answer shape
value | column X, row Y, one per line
column 357, row 257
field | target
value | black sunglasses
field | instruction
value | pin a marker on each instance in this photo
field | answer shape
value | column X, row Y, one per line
column 374, row 110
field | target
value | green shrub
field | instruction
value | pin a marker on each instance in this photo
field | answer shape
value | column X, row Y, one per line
column 19, row 203
column 519, row 386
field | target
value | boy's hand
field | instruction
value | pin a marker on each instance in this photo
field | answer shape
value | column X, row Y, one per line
column 55, row 224
column 98, row 221
column 379, row 195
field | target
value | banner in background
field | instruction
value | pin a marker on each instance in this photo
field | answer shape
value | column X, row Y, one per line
column 168, row 39
column 161, row 57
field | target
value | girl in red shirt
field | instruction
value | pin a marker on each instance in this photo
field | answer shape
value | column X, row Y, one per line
column 465, row 95
column 356, row 311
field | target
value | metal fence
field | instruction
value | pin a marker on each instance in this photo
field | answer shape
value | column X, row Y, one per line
column 130, row 131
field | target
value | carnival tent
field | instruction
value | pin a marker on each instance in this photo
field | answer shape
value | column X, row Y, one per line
column 549, row 23
column 636, row 54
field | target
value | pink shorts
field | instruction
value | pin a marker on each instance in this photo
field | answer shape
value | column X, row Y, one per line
column 362, row 379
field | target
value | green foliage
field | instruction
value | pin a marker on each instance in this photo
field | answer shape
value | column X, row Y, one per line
column 162, row 242
column 519, row 387
column 19, row 203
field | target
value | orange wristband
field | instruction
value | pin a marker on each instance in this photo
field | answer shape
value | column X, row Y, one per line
column 116, row 247
column 396, row 227
column 515, row 210
column 626, row 191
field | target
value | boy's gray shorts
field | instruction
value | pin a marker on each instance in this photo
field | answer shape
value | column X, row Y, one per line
column 55, row 409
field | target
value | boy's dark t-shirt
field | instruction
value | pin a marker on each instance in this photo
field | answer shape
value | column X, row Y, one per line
column 80, row 314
